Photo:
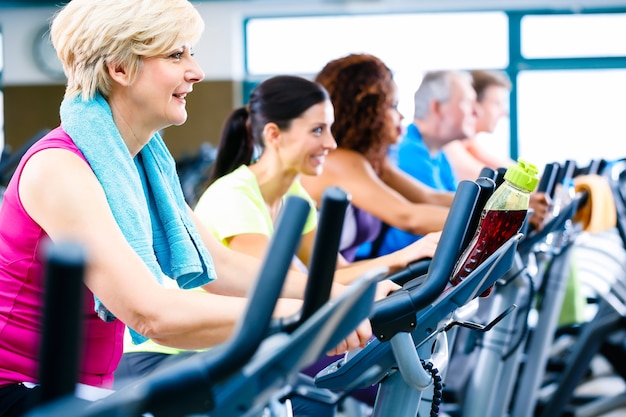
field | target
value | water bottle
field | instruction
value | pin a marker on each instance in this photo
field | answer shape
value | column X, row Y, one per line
column 501, row 219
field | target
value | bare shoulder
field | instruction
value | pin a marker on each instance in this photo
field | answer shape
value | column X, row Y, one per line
column 344, row 164
column 345, row 158
column 59, row 190
column 53, row 170
column 341, row 168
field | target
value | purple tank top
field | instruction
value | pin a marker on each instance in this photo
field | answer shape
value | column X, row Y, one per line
column 21, row 293
column 359, row 227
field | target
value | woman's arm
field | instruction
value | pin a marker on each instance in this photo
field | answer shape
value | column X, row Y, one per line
column 412, row 189
column 237, row 267
column 256, row 245
column 423, row 248
column 69, row 203
column 353, row 173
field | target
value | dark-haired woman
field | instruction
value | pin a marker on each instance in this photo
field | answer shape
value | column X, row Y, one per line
column 266, row 147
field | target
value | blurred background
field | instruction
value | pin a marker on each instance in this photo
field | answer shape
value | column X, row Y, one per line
column 566, row 59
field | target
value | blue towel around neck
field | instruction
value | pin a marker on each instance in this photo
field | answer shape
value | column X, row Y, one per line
column 144, row 194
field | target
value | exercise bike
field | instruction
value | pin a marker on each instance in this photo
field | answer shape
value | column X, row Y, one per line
column 410, row 349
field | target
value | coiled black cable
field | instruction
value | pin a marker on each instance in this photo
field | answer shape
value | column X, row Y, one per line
column 437, row 387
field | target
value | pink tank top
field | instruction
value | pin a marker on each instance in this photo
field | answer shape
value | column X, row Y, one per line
column 21, row 293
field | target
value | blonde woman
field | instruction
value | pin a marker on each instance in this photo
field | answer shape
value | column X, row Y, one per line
column 96, row 179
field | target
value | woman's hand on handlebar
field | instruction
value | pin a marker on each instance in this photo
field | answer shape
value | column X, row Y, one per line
column 358, row 338
column 363, row 333
column 423, row 248
column 384, row 288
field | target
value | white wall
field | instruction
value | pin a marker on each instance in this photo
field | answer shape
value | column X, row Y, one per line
column 220, row 51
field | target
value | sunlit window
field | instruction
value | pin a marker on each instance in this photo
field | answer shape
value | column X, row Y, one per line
column 571, row 114
column 570, row 36
column 304, row 44
column 408, row 43
column 568, row 113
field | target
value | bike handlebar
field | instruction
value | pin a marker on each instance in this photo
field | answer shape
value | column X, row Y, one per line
column 323, row 258
column 396, row 313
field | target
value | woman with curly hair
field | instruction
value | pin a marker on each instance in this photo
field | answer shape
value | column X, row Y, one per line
column 367, row 122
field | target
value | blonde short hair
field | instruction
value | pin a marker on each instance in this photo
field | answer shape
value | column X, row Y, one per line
column 89, row 34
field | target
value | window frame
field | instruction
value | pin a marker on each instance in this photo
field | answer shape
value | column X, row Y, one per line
column 517, row 63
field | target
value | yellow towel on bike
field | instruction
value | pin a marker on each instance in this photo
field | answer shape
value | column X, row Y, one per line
column 598, row 213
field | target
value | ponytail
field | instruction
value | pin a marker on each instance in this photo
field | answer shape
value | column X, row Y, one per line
column 278, row 100
column 236, row 146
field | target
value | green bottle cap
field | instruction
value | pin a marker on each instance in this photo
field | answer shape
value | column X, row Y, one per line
column 524, row 175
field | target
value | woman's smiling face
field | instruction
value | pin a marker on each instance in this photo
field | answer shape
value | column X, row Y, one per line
column 305, row 144
column 162, row 84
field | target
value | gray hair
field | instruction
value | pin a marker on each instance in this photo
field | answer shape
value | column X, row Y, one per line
column 435, row 86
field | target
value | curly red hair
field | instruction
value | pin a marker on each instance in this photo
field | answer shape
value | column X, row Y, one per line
column 361, row 88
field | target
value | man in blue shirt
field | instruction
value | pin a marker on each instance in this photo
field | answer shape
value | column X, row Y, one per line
column 444, row 112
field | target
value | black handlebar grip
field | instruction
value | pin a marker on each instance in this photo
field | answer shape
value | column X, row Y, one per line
column 325, row 249
column 548, row 180
column 323, row 263
column 61, row 341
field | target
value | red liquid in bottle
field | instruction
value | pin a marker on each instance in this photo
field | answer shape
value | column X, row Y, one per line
column 496, row 227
